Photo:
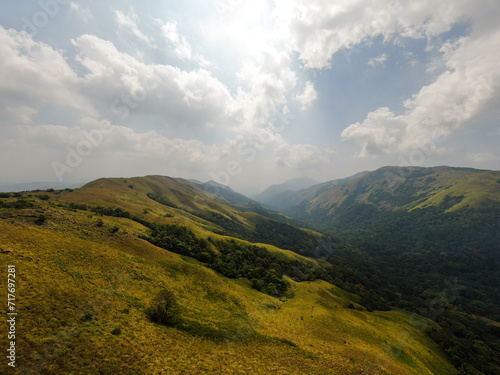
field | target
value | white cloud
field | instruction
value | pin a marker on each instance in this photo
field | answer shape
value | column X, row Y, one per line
column 379, row 133
column 33, row 74
column 317, row 29
column 308, row 96
column 379, row 60
column 467, row 86
column 127, row 22
column 265, row 85
column 124, row 86
column 181, row 46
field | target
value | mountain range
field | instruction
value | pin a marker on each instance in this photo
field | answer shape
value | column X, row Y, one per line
column 387, row 272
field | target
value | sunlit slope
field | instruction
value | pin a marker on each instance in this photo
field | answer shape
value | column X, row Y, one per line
column 407, row 188
column 160, row 199
column 78, row 282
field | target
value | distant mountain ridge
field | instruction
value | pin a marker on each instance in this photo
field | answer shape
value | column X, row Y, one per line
column 280, row 197
column 274, row 192
column 391, row 188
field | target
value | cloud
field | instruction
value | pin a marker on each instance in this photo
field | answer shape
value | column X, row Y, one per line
column 181, row 46
column 466, row 87
column 379, row 60
column 32, row 75
column 264, row 86
column 317, row 29
column 129, row 24
column 379, row 133
column 308, row 96
column 123, row 86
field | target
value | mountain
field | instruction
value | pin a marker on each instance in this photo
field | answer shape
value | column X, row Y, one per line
column 281, row 197
column 335, row 206
column 97, row 267
column 223, row 193
column 425, row 239
column 274, row 192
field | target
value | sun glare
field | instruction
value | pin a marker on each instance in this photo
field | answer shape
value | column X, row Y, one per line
column 248, row 26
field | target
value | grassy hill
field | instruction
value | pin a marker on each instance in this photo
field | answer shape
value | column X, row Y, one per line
column 416, row 231
column 85, row 281
column 392, row 188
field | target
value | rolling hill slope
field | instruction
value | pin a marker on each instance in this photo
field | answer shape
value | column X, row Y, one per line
column 418, row 233
column 87, row 272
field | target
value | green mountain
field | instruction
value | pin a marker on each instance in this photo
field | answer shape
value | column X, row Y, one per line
column 287, row 195
column 425, row 239
column 157, row 275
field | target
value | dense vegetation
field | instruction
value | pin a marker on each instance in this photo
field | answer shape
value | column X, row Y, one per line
column 233, row 259
column 423, row 239
column 443, row 265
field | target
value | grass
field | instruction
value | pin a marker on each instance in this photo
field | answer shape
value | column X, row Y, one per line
column 83, row 293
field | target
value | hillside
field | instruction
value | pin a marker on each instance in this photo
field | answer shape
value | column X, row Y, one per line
column 423, row 236
column 287, row 195
column 87, row 270
column 275, row 194
column 392, row 188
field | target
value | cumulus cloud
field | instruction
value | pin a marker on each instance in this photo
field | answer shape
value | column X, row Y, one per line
column 264, row 85
column 317, row 29
column 308, row 96
column 33, row 74
column 379, row 133
column 470, row 75
column 123, row 86
column 448, row 104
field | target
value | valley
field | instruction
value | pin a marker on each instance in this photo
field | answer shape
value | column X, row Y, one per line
column 257, row 292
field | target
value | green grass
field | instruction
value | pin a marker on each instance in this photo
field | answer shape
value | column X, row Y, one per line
column 83, row 293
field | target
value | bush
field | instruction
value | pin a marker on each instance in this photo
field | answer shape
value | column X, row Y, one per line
column 114, row 230
column 44, row 197
column 116, row 331
column 88, row 316
column 164, row 308
column 40, row 220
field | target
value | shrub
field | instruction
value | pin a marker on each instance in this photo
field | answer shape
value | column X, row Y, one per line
column 116, row 331
column 88, row 316
column 40, row 220
column 44, row 197
column 164, row 308
column 115, row 229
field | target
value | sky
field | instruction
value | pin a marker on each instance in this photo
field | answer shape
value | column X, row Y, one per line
column 246, row 93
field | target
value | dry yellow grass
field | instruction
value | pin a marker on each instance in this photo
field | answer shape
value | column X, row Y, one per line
column 77, row 282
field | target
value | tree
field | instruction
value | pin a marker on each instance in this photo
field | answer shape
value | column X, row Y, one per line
column 164, row 308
